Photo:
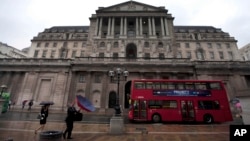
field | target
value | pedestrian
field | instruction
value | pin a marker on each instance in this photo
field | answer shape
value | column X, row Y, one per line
column 43, row 118
column 71, row 112
column 30, row 104
column 23, row 104
column 9, row 104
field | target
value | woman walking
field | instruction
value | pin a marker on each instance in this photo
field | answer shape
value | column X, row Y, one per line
column 44, row 114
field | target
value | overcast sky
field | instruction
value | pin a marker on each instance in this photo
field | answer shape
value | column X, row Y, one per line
column 21, row 20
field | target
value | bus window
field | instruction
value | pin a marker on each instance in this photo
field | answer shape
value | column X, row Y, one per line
column 180, row 86
column 189, row 86
column 139, row 85
column 155, row 104
column 171, row 86
column 164, row 86
column 208, row 105
column 215, row 86
column 157, row 85
column 200, row 86
column 169, row 104
column 149, row 85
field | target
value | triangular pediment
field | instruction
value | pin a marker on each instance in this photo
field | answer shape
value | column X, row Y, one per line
column 131, row 6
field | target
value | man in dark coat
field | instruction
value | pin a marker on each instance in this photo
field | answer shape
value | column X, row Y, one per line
column 71, row 112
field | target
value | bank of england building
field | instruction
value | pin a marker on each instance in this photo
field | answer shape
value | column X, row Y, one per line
column 74, row 60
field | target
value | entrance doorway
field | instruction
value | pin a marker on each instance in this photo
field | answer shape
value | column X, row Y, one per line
column 131, row 51
column 187, row 110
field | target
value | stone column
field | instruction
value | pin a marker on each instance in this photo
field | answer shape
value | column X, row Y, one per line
column 149, row 26
column 125, row 26
column 140, row 26
column 166, row 26
column 100, row 28
column 109, row 25
column 153, row 25
column 162, row 27
column 137, row 27
column 121, row 27
column 113, row 27
column 96, row 26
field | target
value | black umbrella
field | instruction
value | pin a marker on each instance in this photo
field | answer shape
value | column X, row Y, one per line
column 47, row 103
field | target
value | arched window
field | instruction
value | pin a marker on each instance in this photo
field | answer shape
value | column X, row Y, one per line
column 116, row 44
column 160, row 44
column 146, row 44
column 102, row 44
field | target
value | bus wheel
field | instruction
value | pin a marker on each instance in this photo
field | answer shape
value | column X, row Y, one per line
column 156, row 118
column 208, row 118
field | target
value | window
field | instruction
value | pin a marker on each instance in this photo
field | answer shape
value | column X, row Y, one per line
column 215, row 86
column 146, row 44
column 208, row 105
column 101, row 55
column 116, row 44
column 97, row 78
column 180, row 86
column 115, row 55
column 161, row 56
column 155, row 104
column 179, row 55
column 149, row 85
column 38, row 44
column 102, row 44
column 82, row 53
column 209, row 45
column 189, row 54
column 187, row 45
column 178, row 45
column 198, row 45
column 44, row 53
column 211, row 55
column 46, row 44
column 73, row 54
column 169, row 104
column 81, row 78
column 160, row 44
column 139, row 85
column 218, row 45
column 147, row 56
column 53, row 52
column 199, row 55
column 36, row 53
column 228, row 45
column 230, row 55
column 75, row 44
column 221, row 55
column 83, row 44
column 200, row 86
column 54, row 44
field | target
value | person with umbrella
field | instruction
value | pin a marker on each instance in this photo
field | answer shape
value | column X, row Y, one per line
column 43, row 118
column 71, row 112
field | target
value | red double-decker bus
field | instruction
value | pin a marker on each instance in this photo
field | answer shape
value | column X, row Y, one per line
column 179, row 100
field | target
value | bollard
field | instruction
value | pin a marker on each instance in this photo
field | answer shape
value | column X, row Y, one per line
column 50, row 135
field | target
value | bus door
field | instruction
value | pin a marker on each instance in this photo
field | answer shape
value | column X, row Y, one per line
column 187, row 110
column 140, row 110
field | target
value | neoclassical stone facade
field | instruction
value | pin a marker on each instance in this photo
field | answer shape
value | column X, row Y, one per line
column 71, row 60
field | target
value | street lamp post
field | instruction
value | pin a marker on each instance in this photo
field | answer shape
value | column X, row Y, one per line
column 118, row 75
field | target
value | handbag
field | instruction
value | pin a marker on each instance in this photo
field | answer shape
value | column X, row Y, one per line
column 78, row 116
column 39, row 116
